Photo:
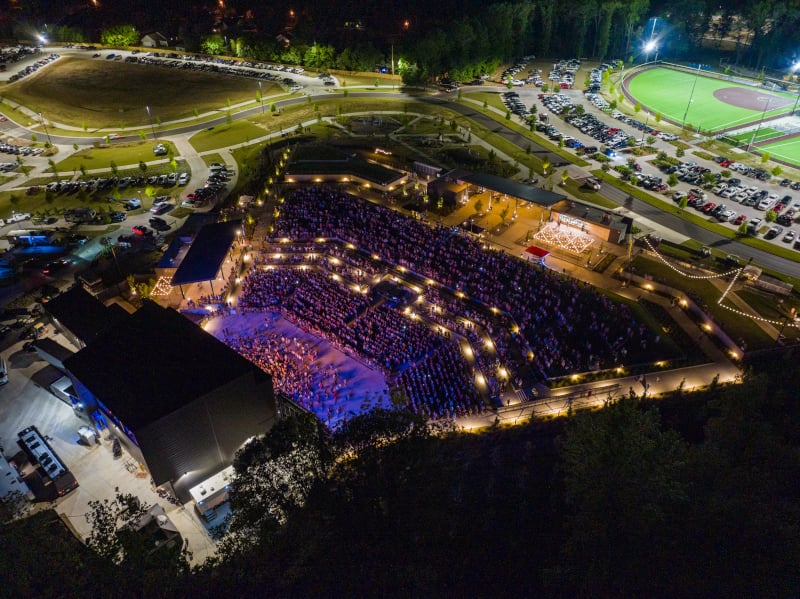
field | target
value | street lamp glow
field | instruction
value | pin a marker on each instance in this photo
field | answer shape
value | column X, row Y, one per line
column 650, row 46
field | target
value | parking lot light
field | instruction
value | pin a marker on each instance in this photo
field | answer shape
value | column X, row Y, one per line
column 46, row 132
column 150, row 117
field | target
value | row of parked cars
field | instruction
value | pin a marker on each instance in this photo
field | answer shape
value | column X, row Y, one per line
column 589, row 124
column 16, row 150
column 645, row 128
column 218, row 176
column 513, row 72
column 119, row 183
column 203, row 66
column 515, row 105
column 218, row 65
column 749, row 171
column 563, row 73
column 11, row 54
column 32, row 68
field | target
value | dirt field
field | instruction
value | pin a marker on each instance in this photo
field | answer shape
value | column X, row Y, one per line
column 103, row 93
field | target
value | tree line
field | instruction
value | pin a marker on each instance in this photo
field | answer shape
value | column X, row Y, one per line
column 692, row 495
column 461, row 39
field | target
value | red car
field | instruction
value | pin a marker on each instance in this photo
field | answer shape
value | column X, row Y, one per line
column 740, row 219
column 709, row 207
column 140, row 230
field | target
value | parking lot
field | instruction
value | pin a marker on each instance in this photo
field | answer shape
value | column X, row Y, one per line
column 749, row 194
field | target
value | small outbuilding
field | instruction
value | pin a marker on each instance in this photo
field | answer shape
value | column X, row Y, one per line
column 154, row 40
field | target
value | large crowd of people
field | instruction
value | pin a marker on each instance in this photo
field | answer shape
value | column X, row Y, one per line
column 409, row 352
column 508, row 312
column 563, row 325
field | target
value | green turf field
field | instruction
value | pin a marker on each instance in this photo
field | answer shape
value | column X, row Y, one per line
column 668, row 91
column 787, row 150
column 763, row 134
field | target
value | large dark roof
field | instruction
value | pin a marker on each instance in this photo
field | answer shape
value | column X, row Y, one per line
column 514, row 189
column 81, row 313
column 193, row 223
column 325, row 160
column 207, row 253
column 154, row 363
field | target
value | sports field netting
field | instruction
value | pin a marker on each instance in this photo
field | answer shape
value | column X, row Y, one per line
column 715, row 104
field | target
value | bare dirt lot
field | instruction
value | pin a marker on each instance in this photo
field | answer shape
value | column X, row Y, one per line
column 101, row 93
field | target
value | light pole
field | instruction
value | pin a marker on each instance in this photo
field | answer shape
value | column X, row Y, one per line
column 644, row 131
column 150, row 117
column 795, row 66
column 649, row 47
column 261, row 97
column 652, row 44
column 761, row 120
column 691, row 96
column 46, row 132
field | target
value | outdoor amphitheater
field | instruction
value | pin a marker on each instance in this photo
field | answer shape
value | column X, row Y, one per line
column 750, row 114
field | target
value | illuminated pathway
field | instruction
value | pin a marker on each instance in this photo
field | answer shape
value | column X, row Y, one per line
column 578, row 397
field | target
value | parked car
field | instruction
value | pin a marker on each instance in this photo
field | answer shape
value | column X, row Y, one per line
column 55, row 266
column 158, row 223
column 773, row 232
column 161, row 207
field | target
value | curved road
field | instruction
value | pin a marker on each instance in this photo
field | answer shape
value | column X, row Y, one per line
column 665, row 219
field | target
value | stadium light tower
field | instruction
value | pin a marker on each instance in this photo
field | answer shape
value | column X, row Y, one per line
column 649, row 47
column 795, row 66
column 652, row 43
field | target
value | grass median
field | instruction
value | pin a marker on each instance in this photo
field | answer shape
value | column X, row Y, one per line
column 121, row 154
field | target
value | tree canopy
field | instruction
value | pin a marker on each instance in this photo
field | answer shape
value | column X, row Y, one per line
column 120, row 35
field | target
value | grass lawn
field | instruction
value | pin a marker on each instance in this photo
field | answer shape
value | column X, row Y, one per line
column 766, row 305
column 491, row 99
column 100, row 94
column 213, row 157
column 668, row 91
column 576, row 189
column 733, row 324
column 423, row 126
column 221, row 136
column 787, row 150
column 365, row 79
column 260, row 125
column 120, row 153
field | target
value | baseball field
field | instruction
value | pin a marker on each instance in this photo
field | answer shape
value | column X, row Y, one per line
column 707, row 103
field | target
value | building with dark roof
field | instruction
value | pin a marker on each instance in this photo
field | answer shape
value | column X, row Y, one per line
column 322, row 163
column 80, row 316
column 207, row 253
column 181, row 401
